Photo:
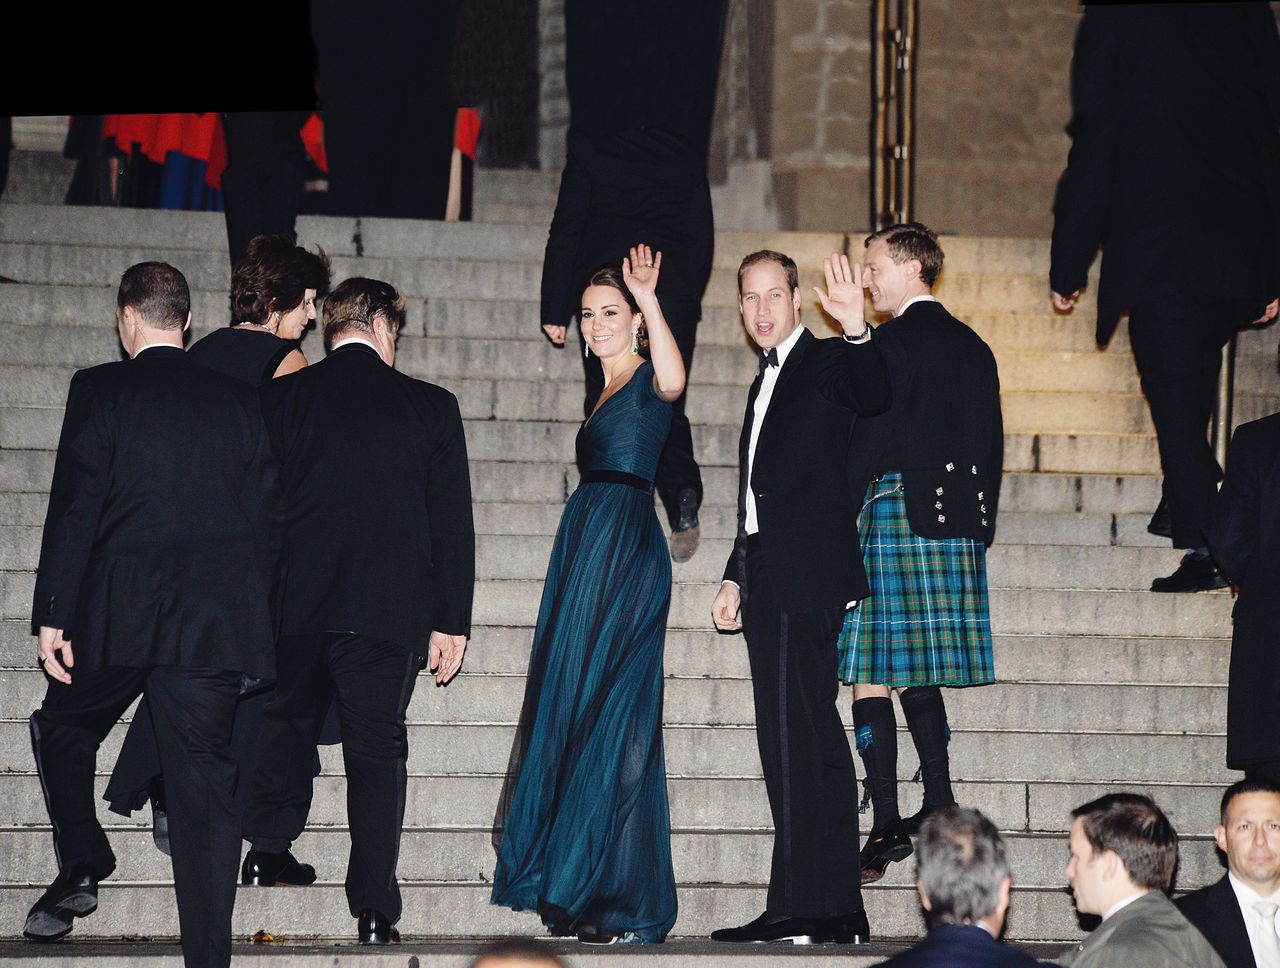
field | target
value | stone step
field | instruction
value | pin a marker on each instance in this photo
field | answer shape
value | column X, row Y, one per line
column 697, row 803
column 730, row 751
column 703, row 652
column 480, row 698
column 452, row 855
column 461, row 910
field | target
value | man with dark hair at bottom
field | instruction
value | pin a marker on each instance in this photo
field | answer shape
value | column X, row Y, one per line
column 380, row 567
column 1123, row 854
column 963, row 878
column 155, row 570
column 1238, row 913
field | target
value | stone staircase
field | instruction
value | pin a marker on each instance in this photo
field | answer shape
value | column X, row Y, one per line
column 1103, row 685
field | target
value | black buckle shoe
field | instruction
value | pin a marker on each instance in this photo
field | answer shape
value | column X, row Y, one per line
column 1193, row 575
column 374, row 927
column 73, row 894
column 883, row 847
column 264, row 869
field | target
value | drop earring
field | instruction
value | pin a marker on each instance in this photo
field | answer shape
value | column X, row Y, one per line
column 635, row 342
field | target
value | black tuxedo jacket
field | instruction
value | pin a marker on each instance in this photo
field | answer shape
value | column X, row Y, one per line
column 944, row 432
column 961, row 946
column 1175, row 129
column 806, row 511
column 1244, row 537
column 1215, row 911
column 161, row 534
column 377, row 496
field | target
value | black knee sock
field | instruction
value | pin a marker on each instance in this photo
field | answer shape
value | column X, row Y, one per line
column 877, row 738
column 927, row 719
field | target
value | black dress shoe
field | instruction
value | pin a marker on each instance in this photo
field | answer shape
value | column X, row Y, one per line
column 772, row 930
column 374, row 927
column 883, row 847
column 1193, row 575
column 845, row 929
column 1161, row 523
column 911, row 825
column 264, row 869
column 73, row 894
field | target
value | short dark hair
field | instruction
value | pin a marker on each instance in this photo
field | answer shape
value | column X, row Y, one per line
column 1245, row 786
column 522, row 949
column 611, row 276
column 961, row 862
column 1138, row 832
column 273, row 275
column 778, row 258
column 911, row 240
column 157, row 292
column 355, row 303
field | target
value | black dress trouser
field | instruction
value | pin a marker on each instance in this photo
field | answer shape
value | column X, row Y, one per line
column 804, row 753
column 262, row 183
column 1177, row 346
column 373, row 681
column 192, row 711
column 677, row 467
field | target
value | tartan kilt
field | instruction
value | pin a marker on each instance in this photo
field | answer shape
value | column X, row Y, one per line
column 927, row 621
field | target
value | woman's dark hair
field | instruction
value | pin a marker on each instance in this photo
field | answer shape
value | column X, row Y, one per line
column 611, row 276
column 273, row 276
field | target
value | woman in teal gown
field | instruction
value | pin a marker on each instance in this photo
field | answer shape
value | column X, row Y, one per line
column 585, row 836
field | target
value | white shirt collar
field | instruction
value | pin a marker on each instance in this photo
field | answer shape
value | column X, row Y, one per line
column 356, row 339
column 1123, row 904
column 151, row 346
column 1246, row 895
column 787, row 345
column 927, row 297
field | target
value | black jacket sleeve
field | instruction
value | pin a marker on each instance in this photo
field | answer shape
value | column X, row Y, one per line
column 1083, row 197
column 854, row 376
column 563, row 239
column 1233, row 532
column 453, row 537
column 81, row 477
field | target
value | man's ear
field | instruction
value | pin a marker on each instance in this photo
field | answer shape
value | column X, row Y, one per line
column 187, row 325
column 912, row 268
column 924, row 898
column 1220, row 837
column 795, row 299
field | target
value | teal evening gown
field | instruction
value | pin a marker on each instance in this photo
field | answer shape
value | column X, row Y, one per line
column 585, row 832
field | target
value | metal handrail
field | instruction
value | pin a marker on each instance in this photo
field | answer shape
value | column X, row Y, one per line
column 894, row 37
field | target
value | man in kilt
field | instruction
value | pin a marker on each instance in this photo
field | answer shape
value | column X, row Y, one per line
column 929, row 469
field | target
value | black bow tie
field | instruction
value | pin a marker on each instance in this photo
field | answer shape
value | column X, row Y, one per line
column 768, row 357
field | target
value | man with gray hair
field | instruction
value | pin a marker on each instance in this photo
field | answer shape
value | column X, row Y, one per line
column 963, row 877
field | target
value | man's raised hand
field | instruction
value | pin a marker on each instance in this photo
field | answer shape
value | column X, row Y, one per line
column 843, row 299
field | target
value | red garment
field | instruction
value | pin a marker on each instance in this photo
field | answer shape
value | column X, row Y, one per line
column 313, row 141
column 466, row 132
column 197, row 136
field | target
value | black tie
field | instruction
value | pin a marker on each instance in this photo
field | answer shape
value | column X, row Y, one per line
column 768, row 357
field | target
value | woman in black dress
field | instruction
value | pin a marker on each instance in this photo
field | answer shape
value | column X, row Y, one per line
column 274, row 288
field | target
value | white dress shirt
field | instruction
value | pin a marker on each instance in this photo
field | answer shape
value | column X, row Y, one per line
column 767, row 382
column 1120, row 905
column 356, row 339
column 1247, row 897
column 912, row 301
column 151, row 346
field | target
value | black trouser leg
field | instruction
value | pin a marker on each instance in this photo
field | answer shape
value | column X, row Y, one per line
column 66, row 732
column 1178, row 351
column 262, row 183
column 876, row 735
column 677, row 467
column 292, row 721
column 804, row 753
column 926, row 716
column 374, row 681
column 192, row 710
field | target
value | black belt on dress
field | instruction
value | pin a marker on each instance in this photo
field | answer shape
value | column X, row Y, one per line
column 617, row 477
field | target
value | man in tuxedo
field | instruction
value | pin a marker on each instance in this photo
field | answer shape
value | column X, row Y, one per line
column 963, row 879
column 1123, row 854
column 155, row 570
column 379, row 574
column 793, row 571
column 1175, row 128
column 1238, row 913
column 1245, row 538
